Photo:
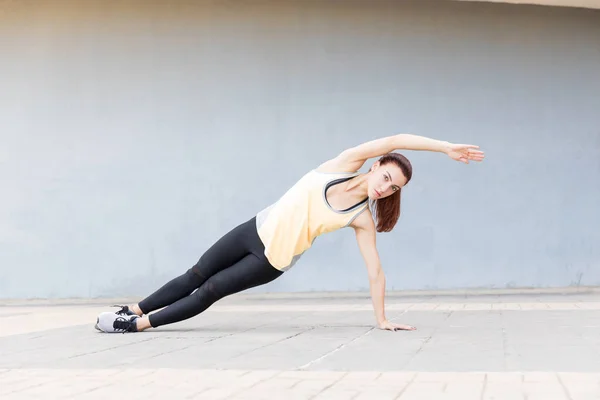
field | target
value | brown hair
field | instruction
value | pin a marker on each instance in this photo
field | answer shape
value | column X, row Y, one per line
column 387, row 210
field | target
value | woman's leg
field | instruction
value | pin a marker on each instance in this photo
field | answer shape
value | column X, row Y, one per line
column 249, row 272
column 170, row 292
column 228, row 250
column 234, row 263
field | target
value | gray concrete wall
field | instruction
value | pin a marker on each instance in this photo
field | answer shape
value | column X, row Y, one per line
column 135, row 133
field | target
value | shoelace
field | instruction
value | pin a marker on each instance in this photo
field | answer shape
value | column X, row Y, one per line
column 122, row 324
column 123, row 310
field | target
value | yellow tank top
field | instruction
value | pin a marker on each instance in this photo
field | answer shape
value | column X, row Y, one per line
column 289, row 227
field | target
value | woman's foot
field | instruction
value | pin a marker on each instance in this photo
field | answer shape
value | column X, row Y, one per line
column 142, row 323
column 136, row 310
column 110, row 322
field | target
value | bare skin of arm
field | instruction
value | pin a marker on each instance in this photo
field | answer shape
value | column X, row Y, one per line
column 353, row 159
column 364, row 228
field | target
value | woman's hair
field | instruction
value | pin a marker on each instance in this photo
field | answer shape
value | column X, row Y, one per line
column 387, row 210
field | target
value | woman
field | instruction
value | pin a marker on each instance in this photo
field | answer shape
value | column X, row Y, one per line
column 256, row 252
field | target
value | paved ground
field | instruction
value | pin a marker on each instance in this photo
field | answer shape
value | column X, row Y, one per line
column 322, row 346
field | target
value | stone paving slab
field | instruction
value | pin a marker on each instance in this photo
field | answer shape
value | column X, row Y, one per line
column 268, row 384
column 538, row 348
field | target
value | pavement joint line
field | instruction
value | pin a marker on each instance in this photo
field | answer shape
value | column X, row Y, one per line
column 233, row 333
column 484, row 387
column 504, row 342
column 406, row 387
column 398, row 316
column 271, row 344
column 255, row 383
column 166, row 352
column 564, row 387
column 303, row 367
column 111, row 348
column 36, row 385
column 426, row 341
column 59, row 380
column 330, row 385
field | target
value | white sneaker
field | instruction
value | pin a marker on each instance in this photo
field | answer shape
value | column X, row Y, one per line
column 110, row 322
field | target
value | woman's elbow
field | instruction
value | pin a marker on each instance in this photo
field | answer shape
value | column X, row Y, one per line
column 376, row 275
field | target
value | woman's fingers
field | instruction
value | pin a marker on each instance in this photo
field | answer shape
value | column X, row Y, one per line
column 404, row 327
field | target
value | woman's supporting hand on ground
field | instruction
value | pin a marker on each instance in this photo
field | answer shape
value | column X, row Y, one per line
column 390, row 326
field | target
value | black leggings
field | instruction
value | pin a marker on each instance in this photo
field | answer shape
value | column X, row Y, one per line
column 234, row 263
